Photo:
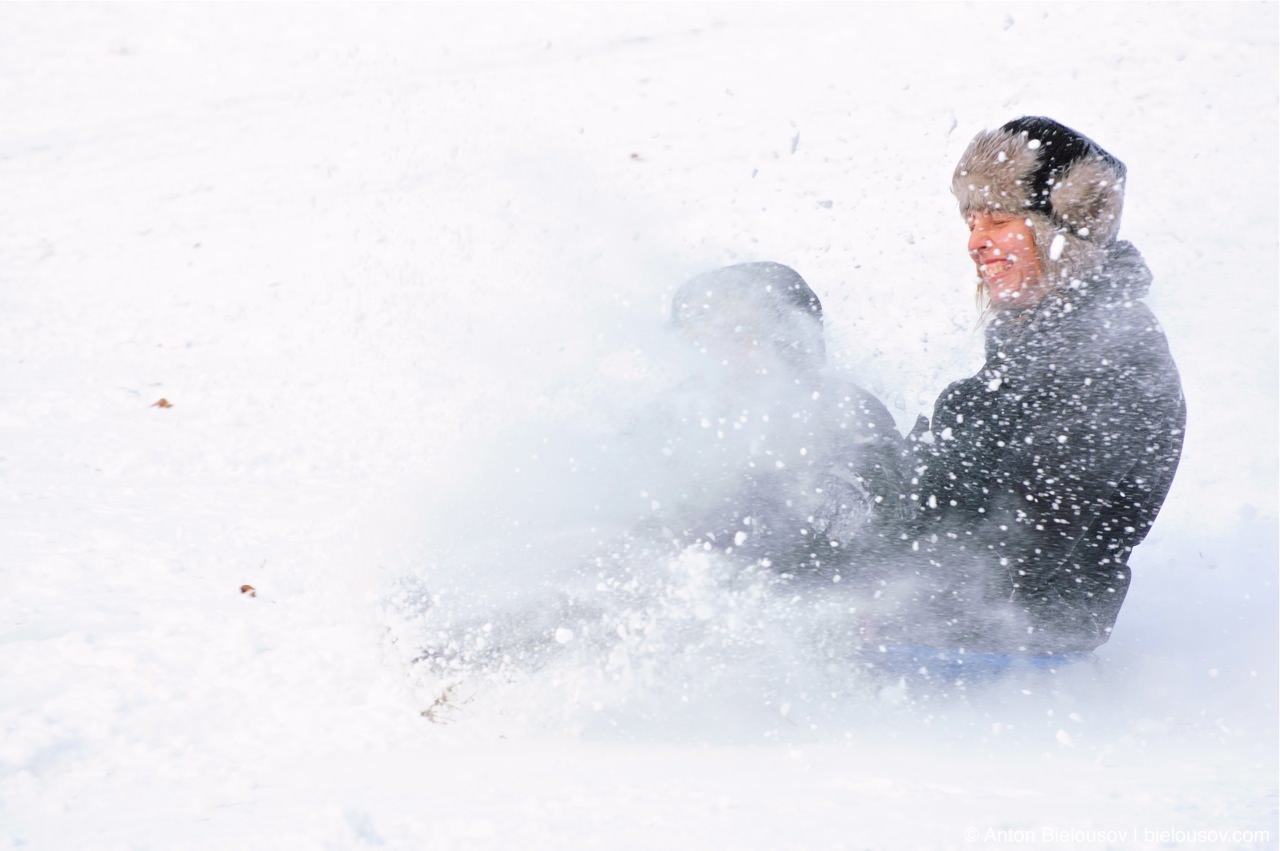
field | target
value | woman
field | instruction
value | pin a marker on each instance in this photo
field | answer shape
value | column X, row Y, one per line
column 1037, row 477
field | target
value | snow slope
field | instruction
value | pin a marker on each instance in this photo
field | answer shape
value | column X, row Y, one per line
column 401, row 270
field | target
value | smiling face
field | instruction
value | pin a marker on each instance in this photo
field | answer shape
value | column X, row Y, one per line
column 1003, row 247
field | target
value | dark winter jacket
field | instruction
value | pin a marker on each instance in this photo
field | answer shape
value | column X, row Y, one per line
column 1040, row 474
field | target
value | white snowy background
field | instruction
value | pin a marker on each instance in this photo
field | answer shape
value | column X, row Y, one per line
column 381, row 258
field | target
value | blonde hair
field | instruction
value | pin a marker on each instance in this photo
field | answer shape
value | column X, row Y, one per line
column 982, row 301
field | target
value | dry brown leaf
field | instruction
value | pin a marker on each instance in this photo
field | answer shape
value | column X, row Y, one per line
column 441, row 709
column 249, row 589
column 163, row 403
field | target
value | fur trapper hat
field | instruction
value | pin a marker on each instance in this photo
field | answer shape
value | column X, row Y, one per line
column 1068, row 186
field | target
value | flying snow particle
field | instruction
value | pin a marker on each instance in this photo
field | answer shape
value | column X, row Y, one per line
column 564, row 635
column 1056, row 245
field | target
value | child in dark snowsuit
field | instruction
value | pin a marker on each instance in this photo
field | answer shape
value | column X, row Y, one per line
column 788, row 463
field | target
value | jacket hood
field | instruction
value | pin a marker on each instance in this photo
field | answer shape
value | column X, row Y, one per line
column 1122, row 279
column 1125, row 277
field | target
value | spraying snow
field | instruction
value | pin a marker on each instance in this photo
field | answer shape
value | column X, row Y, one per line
column 404, row 278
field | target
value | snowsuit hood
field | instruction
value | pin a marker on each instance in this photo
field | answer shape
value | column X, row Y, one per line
column 765, row 306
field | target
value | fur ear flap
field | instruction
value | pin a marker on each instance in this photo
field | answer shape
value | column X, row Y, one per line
column 993, row 173
column 1089, row 198
column 1064, row 255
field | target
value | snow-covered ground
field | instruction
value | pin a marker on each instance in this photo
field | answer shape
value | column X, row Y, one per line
column 401, row 271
